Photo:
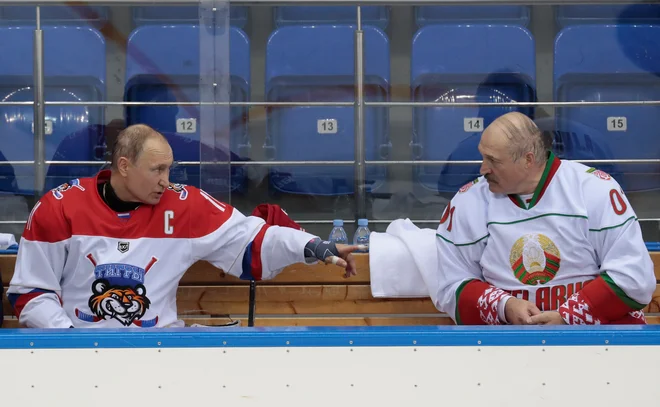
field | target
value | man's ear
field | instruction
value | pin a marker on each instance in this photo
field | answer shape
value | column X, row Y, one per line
column 122, row 166
column 530, row 160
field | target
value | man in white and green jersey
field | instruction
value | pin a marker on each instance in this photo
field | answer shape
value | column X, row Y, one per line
column 539, row 240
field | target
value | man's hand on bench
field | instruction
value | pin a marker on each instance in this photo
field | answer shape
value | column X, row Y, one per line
column 345, row 258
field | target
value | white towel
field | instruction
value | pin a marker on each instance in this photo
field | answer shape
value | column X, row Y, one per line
column 6, row 240
column 403, row 262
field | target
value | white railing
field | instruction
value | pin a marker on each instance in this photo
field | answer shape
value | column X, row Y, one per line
column 359, row 102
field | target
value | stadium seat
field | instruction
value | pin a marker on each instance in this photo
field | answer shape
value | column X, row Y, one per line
column 95, row 16
column 607, row 14
column 147, row 15
column 74, row 70
column 610, row 63
column 377, row 16
column 514, row 15
column 316, row 64
column 464, row 63
column 572, row 140
column 163, row 65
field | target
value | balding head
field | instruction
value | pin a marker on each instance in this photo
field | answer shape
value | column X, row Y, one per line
column 130, row 142
column 523, row 136
column 515, row 153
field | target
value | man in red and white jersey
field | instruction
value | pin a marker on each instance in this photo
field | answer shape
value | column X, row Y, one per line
column 109, row 251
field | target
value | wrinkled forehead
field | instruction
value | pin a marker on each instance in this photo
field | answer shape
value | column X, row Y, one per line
column 494, row 141
column 156, row 151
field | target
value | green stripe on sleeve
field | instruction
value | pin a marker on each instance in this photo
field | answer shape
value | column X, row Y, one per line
column 461, row 244
column 615, row 226
column 621, row 294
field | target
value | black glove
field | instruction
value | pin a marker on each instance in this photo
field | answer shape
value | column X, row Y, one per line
column 317, row 249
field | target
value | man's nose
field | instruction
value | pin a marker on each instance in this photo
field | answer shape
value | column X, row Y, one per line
column 484, row 169
column 164, row 181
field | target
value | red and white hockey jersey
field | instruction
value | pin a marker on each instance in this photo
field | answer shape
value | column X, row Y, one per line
column 575, row 247
column 82, row 264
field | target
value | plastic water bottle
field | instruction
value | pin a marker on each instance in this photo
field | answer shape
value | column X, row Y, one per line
column 361, row 236
column 338, row 234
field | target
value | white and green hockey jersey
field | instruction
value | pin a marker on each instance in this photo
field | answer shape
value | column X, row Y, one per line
column 574, row 246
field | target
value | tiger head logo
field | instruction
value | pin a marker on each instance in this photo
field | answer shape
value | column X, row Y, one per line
column 118, row 293
column 125, row 304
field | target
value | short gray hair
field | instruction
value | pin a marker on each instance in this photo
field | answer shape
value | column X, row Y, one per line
column 524, row 137
column 130, row 142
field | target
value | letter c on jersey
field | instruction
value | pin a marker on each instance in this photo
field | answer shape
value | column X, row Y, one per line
column 168, row 228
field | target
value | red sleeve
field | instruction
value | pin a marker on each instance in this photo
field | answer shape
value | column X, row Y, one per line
column 601, row 302
column 207, row 214
column 477, row 302
column 46, row 222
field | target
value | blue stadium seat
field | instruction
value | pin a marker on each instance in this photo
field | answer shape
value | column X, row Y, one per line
column 306, row 64
column 8, row 181
column 163, row 65
column 147, row 15
column 609, row 63
column 464, row 63
column 429, row 15
column 95, row 16
column 607, row 14
column 572, row 140
column 74, row 70
column 377, row 16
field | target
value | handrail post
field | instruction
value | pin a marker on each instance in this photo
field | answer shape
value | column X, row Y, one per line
column 39, row 120
column 360, row 155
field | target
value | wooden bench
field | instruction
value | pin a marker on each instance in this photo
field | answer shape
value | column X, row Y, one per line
column 301, row 295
